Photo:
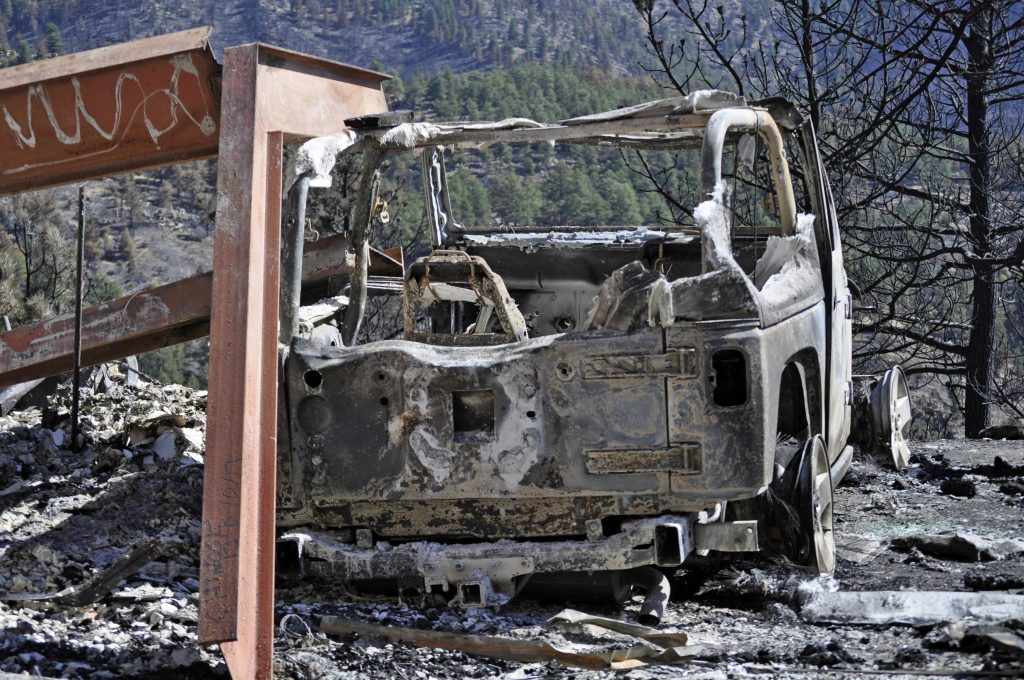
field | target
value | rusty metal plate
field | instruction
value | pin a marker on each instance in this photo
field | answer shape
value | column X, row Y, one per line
column 682, row 459
column 135, row 323
column 109, row 110
column 679, row 364
column 304, row 96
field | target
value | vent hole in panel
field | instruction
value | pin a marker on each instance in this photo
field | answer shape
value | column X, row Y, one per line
column 730, row 372
column 473, row 415
column 313, row 378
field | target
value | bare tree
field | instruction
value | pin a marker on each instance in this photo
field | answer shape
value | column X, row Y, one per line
column 963, row 135
column 37, row 256
column 912, row 105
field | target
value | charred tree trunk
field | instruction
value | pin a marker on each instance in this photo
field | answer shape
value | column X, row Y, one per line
column 807, row 57
column 981, row 340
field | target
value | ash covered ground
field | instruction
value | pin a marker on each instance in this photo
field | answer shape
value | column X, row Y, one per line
column 66, row 517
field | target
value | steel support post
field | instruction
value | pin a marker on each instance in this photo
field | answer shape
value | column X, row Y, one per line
column 269, row 95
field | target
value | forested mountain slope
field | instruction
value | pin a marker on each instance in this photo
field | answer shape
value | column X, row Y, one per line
column 154, row 227
column 409, row 36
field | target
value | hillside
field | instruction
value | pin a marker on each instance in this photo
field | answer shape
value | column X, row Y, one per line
column 408, row 36
column 454, row 59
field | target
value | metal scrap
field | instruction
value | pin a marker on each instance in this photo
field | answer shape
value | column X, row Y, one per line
column 571, row 617
column 960, row 546
column 661, row 648
column 858, row 549
column 960, row 635
column 101, row 584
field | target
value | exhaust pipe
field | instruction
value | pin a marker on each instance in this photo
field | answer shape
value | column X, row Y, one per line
column 656, row 589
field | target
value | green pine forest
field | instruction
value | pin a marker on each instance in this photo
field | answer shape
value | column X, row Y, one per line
column 539, row 185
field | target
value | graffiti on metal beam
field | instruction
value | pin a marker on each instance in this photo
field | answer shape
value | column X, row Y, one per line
column 181, row 63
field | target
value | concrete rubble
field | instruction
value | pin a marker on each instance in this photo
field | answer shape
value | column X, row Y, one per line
column 69, row 517
column 912, row 608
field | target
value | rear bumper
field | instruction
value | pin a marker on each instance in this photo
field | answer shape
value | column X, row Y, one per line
column 481, row 574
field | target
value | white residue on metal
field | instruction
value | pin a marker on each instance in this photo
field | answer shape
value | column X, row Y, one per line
column 429, row 451
column 712, row 218
column 407, row 135
column 531, row 241
column 790, row 270
column 503, row 124
column 318, row 156
column 325, row 308
column 709, row 100
column 432, row 453
column 508, row 454
column 515, row 452
column 787, row 270
column 661, row 306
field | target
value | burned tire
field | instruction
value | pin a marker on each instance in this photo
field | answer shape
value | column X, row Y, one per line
column 813, row 500
column 780, row 530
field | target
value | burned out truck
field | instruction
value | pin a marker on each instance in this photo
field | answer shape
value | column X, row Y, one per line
column 571, row 405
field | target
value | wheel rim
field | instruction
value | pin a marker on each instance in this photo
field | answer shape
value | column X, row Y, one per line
column 817, row 498
column 896, row 415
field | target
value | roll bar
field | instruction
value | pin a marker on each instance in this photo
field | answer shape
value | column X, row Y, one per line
column 761, row 122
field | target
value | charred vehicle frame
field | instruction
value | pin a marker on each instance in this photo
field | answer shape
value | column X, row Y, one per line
column 570, row 401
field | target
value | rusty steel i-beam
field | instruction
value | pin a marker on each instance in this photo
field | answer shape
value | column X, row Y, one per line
column 149, row 320
column 165, row 100
column 269, row 95
column 109, row 110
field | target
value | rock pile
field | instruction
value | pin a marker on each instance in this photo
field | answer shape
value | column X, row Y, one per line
column 66, row 516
